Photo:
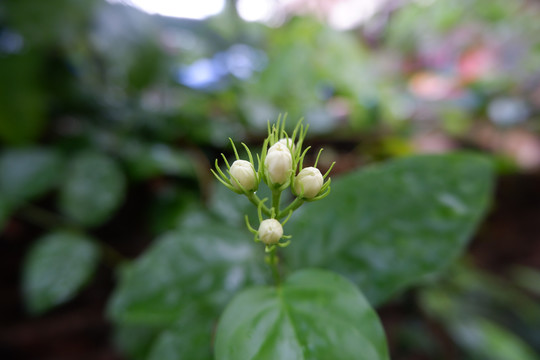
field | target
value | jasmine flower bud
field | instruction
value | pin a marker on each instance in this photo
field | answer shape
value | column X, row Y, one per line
column 245, row 174
column 278, row 163
column 310, row 180
column 287, row 142
column 270, row 231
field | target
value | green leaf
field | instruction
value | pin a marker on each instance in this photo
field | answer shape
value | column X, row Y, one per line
column 183, row 340
column 182, row 283
column 93, row 189
column 388, row 226
column 28, row 172
column 135, row 341
column 56, row 268
column 315, row 314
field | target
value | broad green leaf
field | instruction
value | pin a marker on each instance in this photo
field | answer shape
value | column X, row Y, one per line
column 56, row 267
column 388, row 226
column 182, row 283
column 93, row 189
column 315, row 314
column 183, row 340
column 27, row 172
column 135, row 341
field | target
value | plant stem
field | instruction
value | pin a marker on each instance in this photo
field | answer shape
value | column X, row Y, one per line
column 276, row 197
column 291, row 207
column 273, row 260
column 254, row 199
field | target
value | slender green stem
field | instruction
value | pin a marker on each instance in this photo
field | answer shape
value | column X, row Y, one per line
column 254, row 199
column 273, row 260
column 276, row 198
column 291, row 207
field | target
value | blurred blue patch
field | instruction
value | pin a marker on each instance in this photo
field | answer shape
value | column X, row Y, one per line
column 10, row 42
column 240, row 61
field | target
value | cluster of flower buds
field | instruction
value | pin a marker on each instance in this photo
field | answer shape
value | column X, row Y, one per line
column 280, row 166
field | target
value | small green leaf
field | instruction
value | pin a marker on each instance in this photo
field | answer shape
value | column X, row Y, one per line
column 28, row 172
column 388, row 226
column 93, row 189
column 56, row 267
column 315, row 314
column 182, row 283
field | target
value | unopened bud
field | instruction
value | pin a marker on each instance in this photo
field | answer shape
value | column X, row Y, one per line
column 278, row 163
column 245, row 174
column 310, row 180
column 270, row 231
column 288, row 143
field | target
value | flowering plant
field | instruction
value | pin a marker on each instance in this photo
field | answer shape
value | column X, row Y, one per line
column 202, row 291
column 280, row 166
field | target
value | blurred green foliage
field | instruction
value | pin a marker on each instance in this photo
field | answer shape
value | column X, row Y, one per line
column 99, row 98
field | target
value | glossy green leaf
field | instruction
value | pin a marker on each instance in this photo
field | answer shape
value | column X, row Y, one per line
column 28, row 172
column 315, row 314
column 182, row 283
column 185, row 340
column 93, row 189
column 388, row 226
column 56, row 268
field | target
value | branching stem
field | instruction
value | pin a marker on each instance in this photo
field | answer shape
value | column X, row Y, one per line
column 291, row 207
column 254, row 199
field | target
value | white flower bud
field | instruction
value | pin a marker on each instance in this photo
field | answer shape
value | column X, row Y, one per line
column 310, row 180
column 287, row 142
column 245, row 174
column 270, row 231
column 278, row 163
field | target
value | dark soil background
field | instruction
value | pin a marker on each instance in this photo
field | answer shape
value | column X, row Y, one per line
column 509, row 235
